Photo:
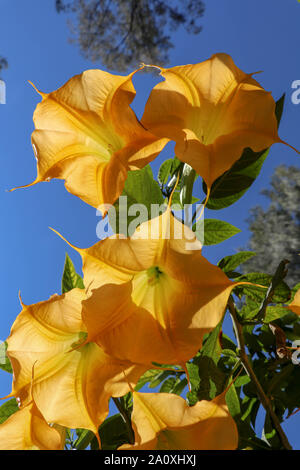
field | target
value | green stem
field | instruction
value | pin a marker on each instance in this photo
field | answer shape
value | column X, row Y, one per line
column 265, row 401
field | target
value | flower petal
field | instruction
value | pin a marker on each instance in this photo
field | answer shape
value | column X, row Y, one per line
column 213, row 111
column 70, row 380
column 27, row 430
column 163, row 421
column 152, row 300
column 295, row 304
column 87, row 134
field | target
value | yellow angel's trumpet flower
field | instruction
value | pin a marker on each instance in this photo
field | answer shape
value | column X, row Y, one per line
column 163, row 421
column 27, row 429
column 88, row 135
column 152, row 297
column 70, row 380
column 212, row 110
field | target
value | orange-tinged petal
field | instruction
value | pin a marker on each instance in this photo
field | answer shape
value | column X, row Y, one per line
column 87, row 134
column 152, row 299
column 212, row 110
column 27, row 430
column 163, row 421
column 295, row 304
column 70, row 380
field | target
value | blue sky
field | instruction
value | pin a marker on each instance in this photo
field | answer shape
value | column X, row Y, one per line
column 260, row 35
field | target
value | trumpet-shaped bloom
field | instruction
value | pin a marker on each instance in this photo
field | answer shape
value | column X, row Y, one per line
column 71, row 383
column 153, row 296
column 163, row 421
column 26, row 429
column 212, row 110
column 87, row 134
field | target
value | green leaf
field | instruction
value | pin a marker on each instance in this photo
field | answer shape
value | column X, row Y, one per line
column 215, row 231
column 230, row 263
column 165, row 171
column 84, row 438
column 279, row 108
column 242, row 380
column 176, row 202
column 160, row 377
column 233, row 184
column 212, row 347
column 229, row 353
column 151, row 374
column 127, row 402
column 274, row 312
column 113, row 433
column 7, row 409
column 250, row 309
column 4, row 361
column 179, row 386
column 70, row 278
column 281, row 293
column 154, row 377
column 233, row 403
column 270, row 435
column 140, row 188
column 247, row 406
column 207, row 380
column 227, row 343
column 168, row 385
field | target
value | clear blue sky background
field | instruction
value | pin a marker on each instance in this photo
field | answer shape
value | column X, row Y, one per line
column 259, row 34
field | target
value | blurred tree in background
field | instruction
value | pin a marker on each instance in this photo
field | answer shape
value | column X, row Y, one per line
column 121, row 34
column 3, row 63
column 275, row 232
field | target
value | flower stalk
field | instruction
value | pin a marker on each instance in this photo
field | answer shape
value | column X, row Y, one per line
column 265, row 401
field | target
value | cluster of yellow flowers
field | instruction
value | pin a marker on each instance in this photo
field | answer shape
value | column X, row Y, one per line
column 146, row 299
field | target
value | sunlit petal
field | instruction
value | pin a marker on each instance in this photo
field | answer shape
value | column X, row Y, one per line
column 152, row 299
column 70, row 380
column 212, row 110
column 26, row 429
column 163, row 421
column 88, row 135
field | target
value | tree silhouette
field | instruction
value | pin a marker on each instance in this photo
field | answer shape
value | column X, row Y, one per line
column 121, row 34
column 275, row 232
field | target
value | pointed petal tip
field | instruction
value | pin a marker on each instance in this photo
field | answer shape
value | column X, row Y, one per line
column 20, row 299
column 43, row 95
column 64, row 239
column 256, row 73
column 10, row 395
column 23, row 186
column 288, row 145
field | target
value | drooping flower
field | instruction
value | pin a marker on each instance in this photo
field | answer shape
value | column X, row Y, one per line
column 70, row 382
column 88, row 135
column 27, row 429
column 163, row 421
column 152, row 297
column 212, row 110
